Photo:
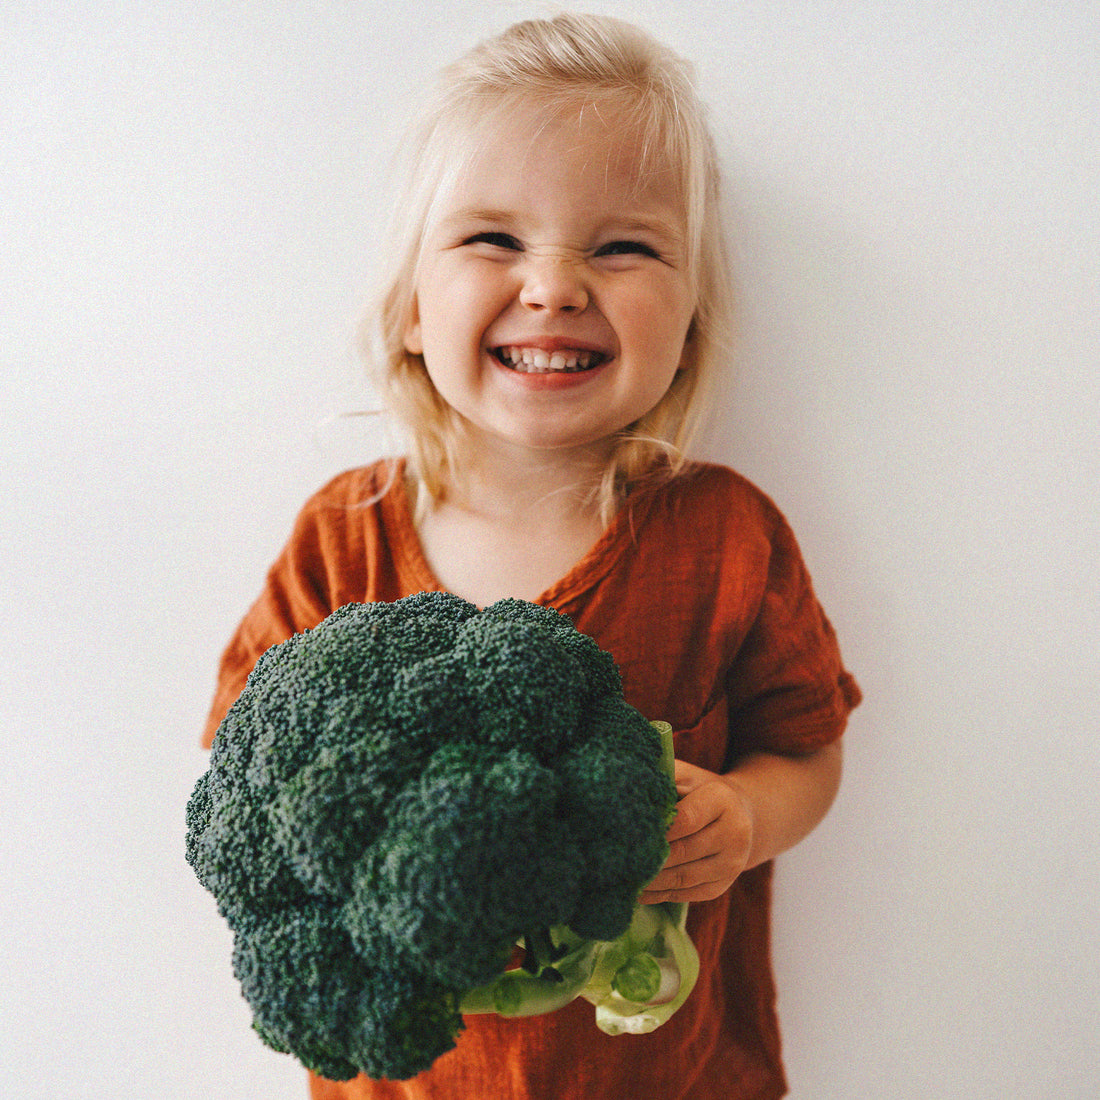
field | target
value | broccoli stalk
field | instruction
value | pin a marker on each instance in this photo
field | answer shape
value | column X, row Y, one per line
column 660, row 970
column 636, row 981
column 521, row 992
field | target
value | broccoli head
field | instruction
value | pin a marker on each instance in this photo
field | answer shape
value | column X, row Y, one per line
column 405, row 793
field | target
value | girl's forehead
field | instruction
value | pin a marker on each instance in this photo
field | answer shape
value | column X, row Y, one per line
column 602, row 131
column 591, row 149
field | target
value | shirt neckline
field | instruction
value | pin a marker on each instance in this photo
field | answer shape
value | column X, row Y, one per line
column 600, row 558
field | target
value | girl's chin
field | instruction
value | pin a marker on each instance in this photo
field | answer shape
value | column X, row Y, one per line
column 542, row 441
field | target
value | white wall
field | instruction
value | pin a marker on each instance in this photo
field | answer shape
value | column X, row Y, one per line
column 189, row 201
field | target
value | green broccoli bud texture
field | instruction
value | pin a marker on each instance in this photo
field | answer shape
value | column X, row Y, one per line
column 409, row 795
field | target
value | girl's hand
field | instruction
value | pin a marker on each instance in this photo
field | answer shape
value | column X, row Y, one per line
column 710, row 840
column 728, row 823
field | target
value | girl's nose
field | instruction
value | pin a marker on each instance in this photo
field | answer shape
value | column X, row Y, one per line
column 553, row 285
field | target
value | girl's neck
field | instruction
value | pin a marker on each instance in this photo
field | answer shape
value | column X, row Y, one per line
column 513, row 528
column 505, row 484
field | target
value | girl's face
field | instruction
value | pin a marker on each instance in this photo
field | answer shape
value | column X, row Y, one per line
column 553, row 298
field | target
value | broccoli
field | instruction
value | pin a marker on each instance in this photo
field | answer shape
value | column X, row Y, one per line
column 411, row 796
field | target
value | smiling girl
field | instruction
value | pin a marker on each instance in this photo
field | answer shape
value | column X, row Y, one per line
column 551, row 307
column 558, row 301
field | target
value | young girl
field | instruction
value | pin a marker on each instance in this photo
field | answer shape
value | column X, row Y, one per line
column 558, row 301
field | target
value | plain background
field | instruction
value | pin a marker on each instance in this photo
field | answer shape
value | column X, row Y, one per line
column 190, row 199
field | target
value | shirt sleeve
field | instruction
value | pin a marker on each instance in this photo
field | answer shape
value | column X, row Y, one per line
column 788, row 690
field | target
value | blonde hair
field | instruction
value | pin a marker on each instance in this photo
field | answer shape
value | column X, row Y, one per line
column 567, row 62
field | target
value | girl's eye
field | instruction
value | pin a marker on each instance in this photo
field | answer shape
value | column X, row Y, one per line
column 497, row 240
column 627, row 248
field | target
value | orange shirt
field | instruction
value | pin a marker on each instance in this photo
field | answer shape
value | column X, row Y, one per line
column 699, row 592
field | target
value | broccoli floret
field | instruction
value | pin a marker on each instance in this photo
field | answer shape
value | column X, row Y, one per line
column 401, row 796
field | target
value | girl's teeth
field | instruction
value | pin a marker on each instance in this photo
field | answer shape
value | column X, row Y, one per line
column 535, row 360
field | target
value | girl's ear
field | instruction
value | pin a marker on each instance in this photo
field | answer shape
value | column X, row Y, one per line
column 414, row 345
column 687, row 353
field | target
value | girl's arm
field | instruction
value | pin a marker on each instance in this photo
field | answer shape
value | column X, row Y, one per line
column 726, row 824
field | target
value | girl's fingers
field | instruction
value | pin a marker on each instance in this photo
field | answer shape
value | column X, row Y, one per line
column 676, row 885
column 709, row 840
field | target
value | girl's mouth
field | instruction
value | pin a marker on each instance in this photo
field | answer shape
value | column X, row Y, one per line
column 537, row 361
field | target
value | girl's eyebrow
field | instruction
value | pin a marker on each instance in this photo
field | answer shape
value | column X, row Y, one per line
column 662, row 227
column 479, row 214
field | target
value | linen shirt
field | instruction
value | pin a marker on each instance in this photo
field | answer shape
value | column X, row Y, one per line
column 698, row 590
